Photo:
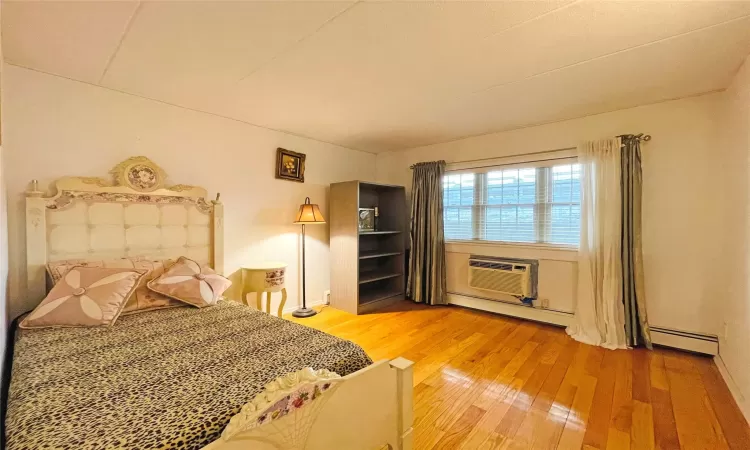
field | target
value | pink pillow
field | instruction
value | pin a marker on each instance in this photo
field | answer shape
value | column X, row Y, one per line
column 188, row 282
column 85, row 297
column 143, row 299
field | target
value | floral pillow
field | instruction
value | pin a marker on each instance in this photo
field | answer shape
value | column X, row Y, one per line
column 85, row 297
column 145, row 299
column 188, row 282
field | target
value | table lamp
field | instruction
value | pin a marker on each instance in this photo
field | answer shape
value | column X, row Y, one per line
column 308, row 214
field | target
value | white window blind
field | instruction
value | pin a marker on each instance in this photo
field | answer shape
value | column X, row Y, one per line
column 528, row 203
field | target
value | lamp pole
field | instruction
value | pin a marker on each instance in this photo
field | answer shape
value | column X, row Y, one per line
column 304, row 291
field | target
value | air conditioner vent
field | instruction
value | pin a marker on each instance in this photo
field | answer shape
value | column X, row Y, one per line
column 490, row 265
column 513, row 277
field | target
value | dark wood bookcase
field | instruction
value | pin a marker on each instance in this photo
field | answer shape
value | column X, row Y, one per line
column 368, row 268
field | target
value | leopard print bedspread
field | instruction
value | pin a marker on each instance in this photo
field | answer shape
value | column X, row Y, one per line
column 167, row 379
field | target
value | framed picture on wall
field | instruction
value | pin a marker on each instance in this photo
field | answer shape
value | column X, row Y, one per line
column 290, row 165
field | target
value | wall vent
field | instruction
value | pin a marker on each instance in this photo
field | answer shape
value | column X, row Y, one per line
column 502, row 276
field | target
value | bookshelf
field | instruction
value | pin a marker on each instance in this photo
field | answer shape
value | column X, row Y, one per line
column 367, row 267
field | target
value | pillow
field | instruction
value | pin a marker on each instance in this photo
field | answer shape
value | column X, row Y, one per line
column 56, row 269
column 187, row 281
column 85, row 297
column 145, row 299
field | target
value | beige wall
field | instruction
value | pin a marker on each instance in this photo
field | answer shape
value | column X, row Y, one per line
column 56, row 127
column 4, row 317
column 734, row 136
column 680, row 204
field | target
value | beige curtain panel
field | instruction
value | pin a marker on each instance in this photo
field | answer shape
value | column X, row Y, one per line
column 599, row 312
column 426, row 280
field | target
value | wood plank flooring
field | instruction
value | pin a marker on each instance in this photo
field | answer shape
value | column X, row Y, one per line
column 484, row 381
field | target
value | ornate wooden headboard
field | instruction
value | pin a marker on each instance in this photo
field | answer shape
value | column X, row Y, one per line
column 135, row 214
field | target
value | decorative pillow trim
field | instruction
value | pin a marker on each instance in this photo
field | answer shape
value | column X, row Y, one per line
column 76, row 287
column 191, row 283
column 57, row 269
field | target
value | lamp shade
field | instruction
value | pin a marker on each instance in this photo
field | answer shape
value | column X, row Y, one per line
column 309, row 213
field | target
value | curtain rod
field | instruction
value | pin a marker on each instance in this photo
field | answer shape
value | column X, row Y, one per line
column 506, row 156
column 640, row 137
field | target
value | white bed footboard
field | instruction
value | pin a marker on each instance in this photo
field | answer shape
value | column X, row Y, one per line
column 370, row 409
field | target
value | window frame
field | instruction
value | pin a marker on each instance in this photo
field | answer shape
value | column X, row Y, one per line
column 542, row 209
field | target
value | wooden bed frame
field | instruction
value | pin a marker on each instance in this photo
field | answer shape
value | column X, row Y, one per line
column 139, row 214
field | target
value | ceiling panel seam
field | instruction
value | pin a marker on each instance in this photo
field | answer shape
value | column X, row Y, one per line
column 304, row 38
column 552, row 122
column 122, row 39
column 234, row 119
column 532, row 19
column 675, row 36
column 294, row 44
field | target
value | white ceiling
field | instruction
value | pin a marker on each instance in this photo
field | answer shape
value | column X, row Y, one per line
column 387, row 75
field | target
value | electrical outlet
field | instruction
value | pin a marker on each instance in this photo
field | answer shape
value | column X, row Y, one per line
column 545, row 303
column 327, row 297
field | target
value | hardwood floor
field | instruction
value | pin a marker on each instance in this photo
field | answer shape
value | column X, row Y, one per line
column 487, row 381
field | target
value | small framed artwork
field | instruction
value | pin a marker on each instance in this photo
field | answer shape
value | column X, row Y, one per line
column 290, row 165
column 366, row 220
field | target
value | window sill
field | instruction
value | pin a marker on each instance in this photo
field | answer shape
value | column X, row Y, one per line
column 514, row 250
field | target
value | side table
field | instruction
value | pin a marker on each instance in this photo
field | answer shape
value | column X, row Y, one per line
column 265, row 277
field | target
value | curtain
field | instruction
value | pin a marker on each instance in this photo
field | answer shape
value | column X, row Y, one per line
column 633, row 287
column 599, row 312
column 426, row 280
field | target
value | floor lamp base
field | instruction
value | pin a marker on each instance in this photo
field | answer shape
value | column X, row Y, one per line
column 304, row 312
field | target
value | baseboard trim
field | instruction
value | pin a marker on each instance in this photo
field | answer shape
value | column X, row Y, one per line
column 508, row 309
column 692, row 342
column 743, row 404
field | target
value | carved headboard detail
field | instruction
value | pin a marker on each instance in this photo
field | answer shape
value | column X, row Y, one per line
column 135, row 214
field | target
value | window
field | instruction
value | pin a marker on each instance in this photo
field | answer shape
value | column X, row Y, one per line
column 530, row 204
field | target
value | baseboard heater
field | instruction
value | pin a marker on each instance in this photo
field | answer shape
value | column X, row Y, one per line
column 682, row 340
column 552, row 317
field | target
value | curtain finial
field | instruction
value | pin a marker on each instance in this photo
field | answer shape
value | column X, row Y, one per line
column 640, row 136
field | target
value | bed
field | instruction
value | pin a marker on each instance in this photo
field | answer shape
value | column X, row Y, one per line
column 87, row 388
column 219, row 378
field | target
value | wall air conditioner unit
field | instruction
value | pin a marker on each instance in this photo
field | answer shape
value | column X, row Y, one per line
column 503, row 276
